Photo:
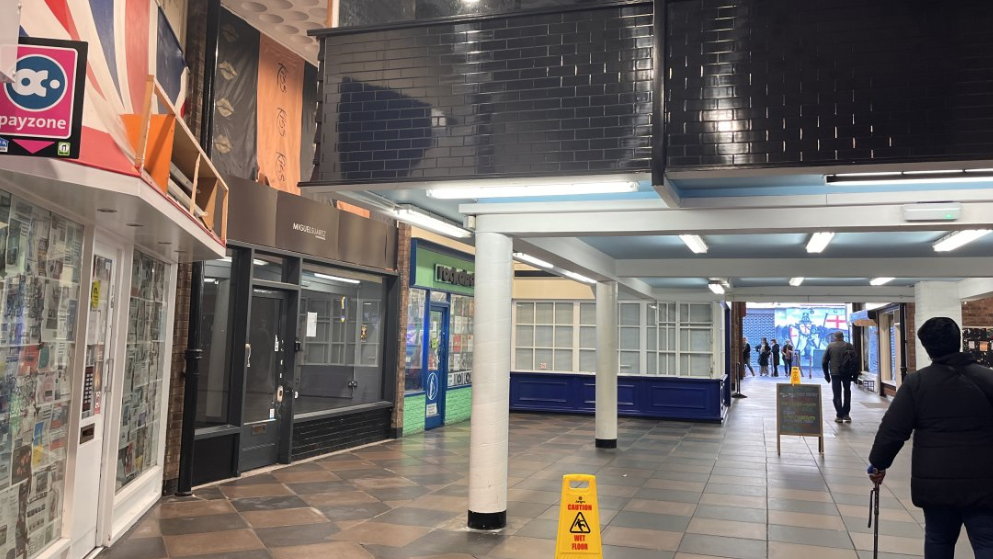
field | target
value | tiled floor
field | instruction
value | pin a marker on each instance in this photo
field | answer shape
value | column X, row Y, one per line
column 672, row 490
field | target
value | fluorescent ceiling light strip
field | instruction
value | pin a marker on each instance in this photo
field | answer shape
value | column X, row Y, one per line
column 717, row 288
column 532, row 260
column 336, row 278
column 881, row 281
column 819, row 241
column 532, row 190
column 934, row 172
column 927, row 176
column 796, row 282
column 578, row 277
column 959, row 239
column 695, row 242
column 431, row 223
column 877, row 174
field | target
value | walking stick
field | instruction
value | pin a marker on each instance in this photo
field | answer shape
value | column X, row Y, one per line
column 874, row 515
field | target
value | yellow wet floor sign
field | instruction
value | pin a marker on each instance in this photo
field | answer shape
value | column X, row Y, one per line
column 579, row 520
column 795, row 375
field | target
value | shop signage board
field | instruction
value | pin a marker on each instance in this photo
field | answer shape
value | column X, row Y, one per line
column 434, row 269
column 799, row 412
column 41, row 110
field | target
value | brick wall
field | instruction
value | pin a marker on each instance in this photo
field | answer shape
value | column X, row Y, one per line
column 767, row 82
column 976, row 314
column 195, row 44
column 177, row 383
column 403, row 269
column 564, row 93
column 458, row 405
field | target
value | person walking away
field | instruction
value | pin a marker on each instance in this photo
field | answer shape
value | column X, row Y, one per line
column 764, row 353
column 746, row 356
column 841, row 366
column 787, row 357
column 948, row 406
column 775, row 357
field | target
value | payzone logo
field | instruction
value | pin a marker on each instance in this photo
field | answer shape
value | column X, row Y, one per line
column 39, row 83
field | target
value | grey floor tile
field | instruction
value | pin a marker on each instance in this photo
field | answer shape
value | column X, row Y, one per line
column 717, row 546
column 811, row 536
column 297, row 535
column 740, row 514
column 648, row 521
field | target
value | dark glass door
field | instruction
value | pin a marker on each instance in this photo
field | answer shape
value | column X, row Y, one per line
column 264, row 379
column 437, row 367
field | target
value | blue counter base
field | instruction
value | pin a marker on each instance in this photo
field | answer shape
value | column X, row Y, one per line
column 692, row 399
column 487, row 520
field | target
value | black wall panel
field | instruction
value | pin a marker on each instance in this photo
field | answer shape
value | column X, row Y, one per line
column 554, row 94
column 321, row 436
column 378, row 12
column 774, row 82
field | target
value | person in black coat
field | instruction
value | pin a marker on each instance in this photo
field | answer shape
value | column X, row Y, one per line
column 746, row 356
column 764, row 353
column 775, row 358
column 949, row 408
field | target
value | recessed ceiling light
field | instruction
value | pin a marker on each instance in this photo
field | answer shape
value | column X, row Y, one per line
column 796, row 282
column 819, row 241
column 531, row 190
column 578, row 277
column 134, row 224
column 258, row 262
column 337, row 278
column 107, row 210
column 716, row 287
column 959, row 238
column 532, row 260
column 880, row 281
column 695, row 242
column 410, row 215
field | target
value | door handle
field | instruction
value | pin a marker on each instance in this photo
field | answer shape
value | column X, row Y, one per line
column 248, row 355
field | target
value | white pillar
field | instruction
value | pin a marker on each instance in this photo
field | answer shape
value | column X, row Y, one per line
column 606, row 364
column 931, row 299
column 490, row 423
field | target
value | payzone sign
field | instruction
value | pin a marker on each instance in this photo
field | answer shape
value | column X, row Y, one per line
column 41, row 109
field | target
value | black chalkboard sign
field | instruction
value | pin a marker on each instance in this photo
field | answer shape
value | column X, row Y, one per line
column 799, row 412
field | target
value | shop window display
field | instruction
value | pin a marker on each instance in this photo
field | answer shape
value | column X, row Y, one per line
column 460, row 340
column 341, row 321
column 39, row 276
column 215, row 335
column 138, row 444
column 413, row 378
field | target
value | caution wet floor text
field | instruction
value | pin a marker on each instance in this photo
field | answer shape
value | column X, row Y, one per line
column 579, row 519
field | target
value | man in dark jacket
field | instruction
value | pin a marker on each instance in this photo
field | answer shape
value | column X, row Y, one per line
column 746, row 356
column 775, row 358
column 841, row 383
column 949, row 408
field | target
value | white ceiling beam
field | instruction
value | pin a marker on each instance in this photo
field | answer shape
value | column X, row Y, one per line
column 975, row 288
column 809, row 266
column 579, row 257
column 668, row 193
column 841, row 198
column 816, row 294
column 887, row 217
column 319, row 186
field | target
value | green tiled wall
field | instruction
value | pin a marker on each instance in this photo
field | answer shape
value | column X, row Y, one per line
column 458, row 405
column 413, row 414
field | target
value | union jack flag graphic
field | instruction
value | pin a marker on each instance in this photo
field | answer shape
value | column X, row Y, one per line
column 128, row 40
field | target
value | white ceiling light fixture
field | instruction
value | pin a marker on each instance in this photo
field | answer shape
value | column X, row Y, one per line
column 716, row 287
column 337, row 278
column 796, row 282
column 819, row 241
column 414, row 217
column 532, row 190
column 880, row 281
column 532, row 260
column 958, row 239
column 695, row 243
column 949, row 176
column 578, row 277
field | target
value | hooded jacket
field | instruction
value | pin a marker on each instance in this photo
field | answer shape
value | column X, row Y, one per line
column 949, row 408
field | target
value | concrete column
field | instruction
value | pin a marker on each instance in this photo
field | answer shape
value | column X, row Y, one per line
column 490, row 424
column 931, row 299
column 606, row 364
